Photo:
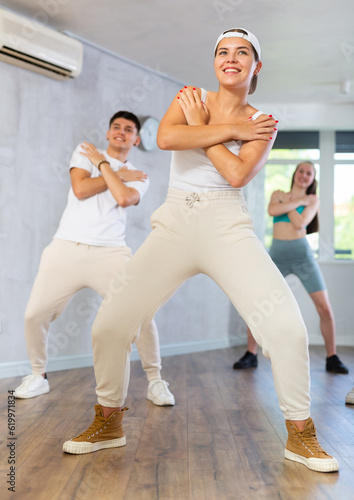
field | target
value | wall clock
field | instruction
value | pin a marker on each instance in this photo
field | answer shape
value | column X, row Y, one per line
column 148, row 133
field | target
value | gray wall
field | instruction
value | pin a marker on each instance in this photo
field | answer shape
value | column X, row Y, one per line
column 41, row 121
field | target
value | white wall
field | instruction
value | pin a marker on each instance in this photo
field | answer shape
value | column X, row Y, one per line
column 310, row 116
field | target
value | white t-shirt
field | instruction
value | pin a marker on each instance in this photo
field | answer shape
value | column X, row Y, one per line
column 97, row 220
column 192, row 171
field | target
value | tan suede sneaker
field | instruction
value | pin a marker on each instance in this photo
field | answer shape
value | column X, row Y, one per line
column 102, row 433
column 304, row 448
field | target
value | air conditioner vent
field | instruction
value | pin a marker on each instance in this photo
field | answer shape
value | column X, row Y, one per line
column 35, row 47
column 7, row 54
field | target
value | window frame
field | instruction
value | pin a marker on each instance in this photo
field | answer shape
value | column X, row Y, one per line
column 327, row 162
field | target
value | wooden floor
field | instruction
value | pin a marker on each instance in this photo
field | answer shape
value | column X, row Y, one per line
column 224, row 439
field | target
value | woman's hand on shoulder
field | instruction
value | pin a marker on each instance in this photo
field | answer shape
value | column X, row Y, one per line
column 277, row 203
column 194, row 110
column 312, row 199
column 262, row 128
column 280, row 196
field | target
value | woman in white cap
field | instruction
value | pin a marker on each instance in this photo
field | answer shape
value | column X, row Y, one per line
column 219, row 143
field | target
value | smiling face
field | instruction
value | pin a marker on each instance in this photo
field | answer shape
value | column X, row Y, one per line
column 235, row 63
column 122, row 134
column 304, row 175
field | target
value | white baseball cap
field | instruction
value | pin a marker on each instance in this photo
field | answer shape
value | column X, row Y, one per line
column 247, row 35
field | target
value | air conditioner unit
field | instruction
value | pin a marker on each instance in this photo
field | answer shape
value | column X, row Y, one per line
column 33, row 46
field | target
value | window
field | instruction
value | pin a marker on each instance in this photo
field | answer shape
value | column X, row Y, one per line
column 336, row 237
column 344, row 196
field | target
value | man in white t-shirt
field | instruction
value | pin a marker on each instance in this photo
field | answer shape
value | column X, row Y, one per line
column 89, row 251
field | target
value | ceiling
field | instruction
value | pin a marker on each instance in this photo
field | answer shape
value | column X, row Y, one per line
column 307, row 46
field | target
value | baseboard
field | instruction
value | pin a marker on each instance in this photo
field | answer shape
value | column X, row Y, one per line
column 341, row 340
column 22, row 368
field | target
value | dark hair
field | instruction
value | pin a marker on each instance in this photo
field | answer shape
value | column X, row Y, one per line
column 313, row 226
column 128, row 116
column 254, row 81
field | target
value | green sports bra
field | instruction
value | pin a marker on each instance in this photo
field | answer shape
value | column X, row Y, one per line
column 285, row 218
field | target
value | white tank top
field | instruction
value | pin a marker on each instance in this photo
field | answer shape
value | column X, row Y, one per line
column 192, row 171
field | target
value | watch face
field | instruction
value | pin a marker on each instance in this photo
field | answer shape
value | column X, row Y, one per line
column 148, row 133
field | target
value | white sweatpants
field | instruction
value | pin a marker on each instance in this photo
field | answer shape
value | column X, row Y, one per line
column 65, row 268
column 208, row 233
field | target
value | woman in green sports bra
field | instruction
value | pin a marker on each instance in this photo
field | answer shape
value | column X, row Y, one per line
column 285, row 217
column 295, row 214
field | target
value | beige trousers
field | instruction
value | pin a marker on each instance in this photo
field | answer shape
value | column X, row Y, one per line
column 209, row 233
column 65, row 268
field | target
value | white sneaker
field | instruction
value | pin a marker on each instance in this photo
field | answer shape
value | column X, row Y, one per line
column 349, row 398
column 31, row 386
column 159, row 393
